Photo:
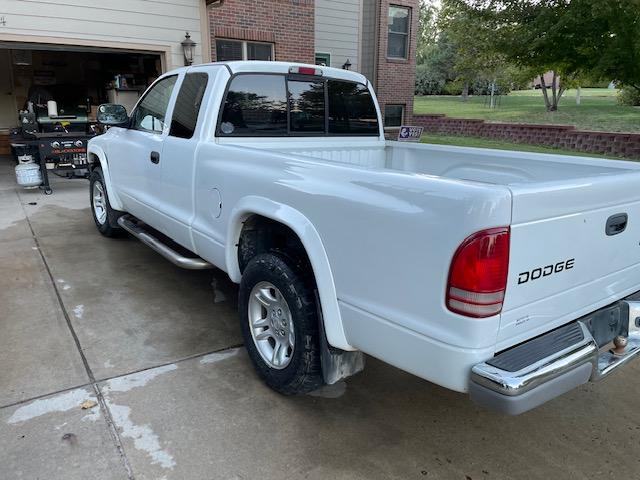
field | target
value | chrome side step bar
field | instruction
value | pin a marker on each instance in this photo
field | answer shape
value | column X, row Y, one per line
column 196, row 263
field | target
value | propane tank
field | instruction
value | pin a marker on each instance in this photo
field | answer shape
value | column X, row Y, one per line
column 28, row 175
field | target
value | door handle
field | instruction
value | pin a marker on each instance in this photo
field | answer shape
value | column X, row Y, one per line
column 155, row 157
column 616, row 224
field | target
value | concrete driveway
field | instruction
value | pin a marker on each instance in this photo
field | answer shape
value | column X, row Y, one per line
column 158, row 351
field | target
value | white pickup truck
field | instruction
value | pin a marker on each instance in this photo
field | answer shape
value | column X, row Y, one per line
column 511, row 276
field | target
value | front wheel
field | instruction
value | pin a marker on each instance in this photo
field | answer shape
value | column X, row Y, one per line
column 104, row 216
column 279, row 321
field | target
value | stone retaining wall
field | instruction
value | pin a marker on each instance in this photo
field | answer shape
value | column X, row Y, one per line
column 557, row 136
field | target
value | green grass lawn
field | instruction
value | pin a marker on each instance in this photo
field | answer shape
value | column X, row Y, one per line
column 460, row 141
column 598, row 109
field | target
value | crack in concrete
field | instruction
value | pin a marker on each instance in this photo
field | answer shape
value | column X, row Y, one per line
column 99, row 397
column 44, row 395
column 56, row 403
column 139, row 379
column 231, row 350
column 103, row 403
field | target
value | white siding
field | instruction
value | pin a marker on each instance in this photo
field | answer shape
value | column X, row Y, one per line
column 155, row 24
column 337, row 28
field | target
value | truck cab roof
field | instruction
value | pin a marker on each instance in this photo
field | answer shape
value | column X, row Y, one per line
column 256, row 66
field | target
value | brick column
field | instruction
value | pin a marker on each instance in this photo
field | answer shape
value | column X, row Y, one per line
column 288, row 24
column 396, row 78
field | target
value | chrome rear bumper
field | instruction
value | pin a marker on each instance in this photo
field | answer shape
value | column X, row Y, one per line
column 530, row 374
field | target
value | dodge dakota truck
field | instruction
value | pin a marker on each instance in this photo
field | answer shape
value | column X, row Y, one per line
column 511, row 276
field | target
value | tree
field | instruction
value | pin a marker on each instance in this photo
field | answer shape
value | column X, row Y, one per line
column 572, row 38
column 456, row 54
column 427, row 29
column 617, row 42
column 437, row 67
column 476, row 56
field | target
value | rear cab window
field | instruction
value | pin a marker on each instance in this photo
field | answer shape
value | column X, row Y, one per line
column 352, row 110
column 255, row 105
column 277, row 105
column 306, row 106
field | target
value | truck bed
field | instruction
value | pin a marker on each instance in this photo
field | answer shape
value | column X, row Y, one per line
column 473, row 164
column 560, row 208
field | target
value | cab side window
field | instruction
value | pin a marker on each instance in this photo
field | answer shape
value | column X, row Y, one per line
column 185, row 113
column 151, row 111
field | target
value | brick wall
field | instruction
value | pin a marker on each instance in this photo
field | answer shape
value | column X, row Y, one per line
column 288, row 24
column 558, row 136
column 396, row 78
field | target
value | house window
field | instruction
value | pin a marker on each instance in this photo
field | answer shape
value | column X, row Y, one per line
column 393, row 115
column 323, row 59
column 229, row 50
column 398, row 39
column 259, row 51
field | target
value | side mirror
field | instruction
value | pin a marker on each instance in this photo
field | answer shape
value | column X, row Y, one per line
column 112, row 115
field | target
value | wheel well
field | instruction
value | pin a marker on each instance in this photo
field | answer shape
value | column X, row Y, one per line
column 93, row 161
column 261, row 235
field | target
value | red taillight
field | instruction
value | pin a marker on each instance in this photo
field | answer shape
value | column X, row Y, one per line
column 478, row 274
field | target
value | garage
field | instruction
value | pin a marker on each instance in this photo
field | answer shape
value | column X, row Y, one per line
column 52, row 97
column 72, row 78
column 86, row 53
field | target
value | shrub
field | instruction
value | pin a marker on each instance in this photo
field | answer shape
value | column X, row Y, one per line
column 483, row 87
column 596, row 84
column 454, row 88
column 629, row 96
column 428, row 82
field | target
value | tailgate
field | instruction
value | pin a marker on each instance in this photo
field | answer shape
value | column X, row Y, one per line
column 563, row 262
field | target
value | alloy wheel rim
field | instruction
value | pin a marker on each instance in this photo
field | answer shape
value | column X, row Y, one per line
column 99, row 203
column 271, row 325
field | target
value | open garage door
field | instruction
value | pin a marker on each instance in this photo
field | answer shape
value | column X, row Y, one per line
column 51, row 91
column 76, row 77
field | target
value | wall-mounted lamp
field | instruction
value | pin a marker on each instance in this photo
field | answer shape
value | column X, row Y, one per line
column 346, row 65
column 189, row 49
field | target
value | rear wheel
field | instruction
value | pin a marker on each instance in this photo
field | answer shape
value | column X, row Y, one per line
column 279, row 322
column 105, row 217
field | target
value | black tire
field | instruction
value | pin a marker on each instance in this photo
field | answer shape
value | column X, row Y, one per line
column 303, row 373
column 108, row 228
